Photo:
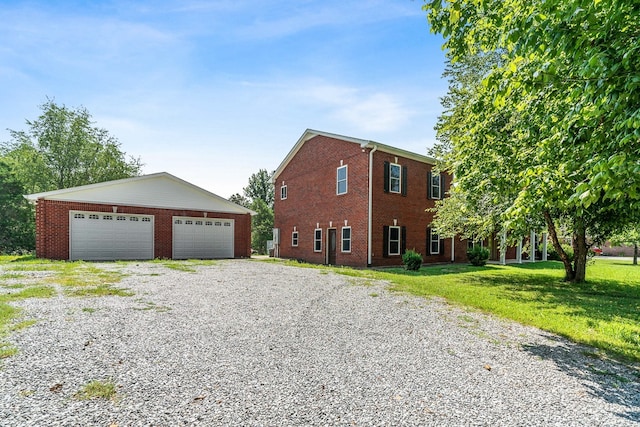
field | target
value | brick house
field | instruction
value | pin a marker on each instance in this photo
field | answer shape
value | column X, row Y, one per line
column 145, row 217
column 348, row 201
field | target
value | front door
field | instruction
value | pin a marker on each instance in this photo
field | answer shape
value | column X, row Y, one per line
column 331, row 247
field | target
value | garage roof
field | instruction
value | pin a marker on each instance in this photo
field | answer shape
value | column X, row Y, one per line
column 158, row 190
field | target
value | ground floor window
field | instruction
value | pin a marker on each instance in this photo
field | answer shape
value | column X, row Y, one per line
column 394, row 241
column 294, row 238
column 317, row 240
column 346, row 239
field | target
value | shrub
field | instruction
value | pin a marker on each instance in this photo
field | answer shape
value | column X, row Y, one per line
column 478, row 256
column 412, row 260
column 553, row 255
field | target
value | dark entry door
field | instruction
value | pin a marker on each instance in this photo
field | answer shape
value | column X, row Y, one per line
column 332, row 247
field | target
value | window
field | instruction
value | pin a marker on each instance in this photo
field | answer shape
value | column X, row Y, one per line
column 218, row 223
column 341, row 180
column 394, row 178
column 394, row 241
column 227, row 224
column 283, row 192
column 93, row 216
column 80, row 216
column 189, row 222
column 107, row 217
column 198, row 222
column 317, row 240
column 146, row 219
column 208, row 223
column 121, row 218
column 435, row 187
column 434, row 243
column 294, row 238
column 346, row 239
column 133, row 218
column 178, row 221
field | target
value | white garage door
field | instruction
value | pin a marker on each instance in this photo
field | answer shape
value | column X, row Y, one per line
column 202, row 238
column 104, row 236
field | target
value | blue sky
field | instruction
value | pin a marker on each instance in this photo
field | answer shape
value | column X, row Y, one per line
column 213, row 91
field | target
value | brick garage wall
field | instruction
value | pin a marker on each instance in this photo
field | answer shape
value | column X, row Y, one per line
column 52, row 227
column 409, row 211
column 312, row 201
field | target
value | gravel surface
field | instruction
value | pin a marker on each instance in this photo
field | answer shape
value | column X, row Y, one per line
column 258, row 344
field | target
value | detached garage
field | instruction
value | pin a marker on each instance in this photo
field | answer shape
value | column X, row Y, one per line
column 145, row 217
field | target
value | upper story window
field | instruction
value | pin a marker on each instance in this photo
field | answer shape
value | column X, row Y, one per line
column 294, row 238
column 395, row 173
column 283, row 192
column 341, row 180
column 317, row 240
column 435, row 186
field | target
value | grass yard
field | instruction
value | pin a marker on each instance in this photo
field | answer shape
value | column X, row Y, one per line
column 603, row 313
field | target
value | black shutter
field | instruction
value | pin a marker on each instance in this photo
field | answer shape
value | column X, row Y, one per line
column 428, row 241
column 441, row 246
column 386, row 177
column 403, row 240
column 429, row 185
column 385, row 241
column 442, row 177
column 404, row 181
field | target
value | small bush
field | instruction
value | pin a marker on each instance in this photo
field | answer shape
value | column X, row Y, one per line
column 478, row 256
column 553, row 255
column 412, row 260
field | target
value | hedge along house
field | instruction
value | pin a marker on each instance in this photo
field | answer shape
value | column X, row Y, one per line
column 144, row 217
column 347, row 201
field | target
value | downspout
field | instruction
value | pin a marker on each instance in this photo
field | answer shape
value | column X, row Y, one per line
column 370, row 207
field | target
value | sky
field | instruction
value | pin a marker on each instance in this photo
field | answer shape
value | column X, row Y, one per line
column 214, row 91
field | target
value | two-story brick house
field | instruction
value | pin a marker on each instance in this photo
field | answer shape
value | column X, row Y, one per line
column 348, row 201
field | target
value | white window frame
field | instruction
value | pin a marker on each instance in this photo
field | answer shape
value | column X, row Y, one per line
column 343, row 240
column 435, row 188
column 435, row 241
column 283, row 192
column 317, row 240
column 345, row 180
column 294, row 238
column 392, row 179
column 393, row 227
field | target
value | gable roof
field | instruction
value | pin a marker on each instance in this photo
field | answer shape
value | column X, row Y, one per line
column 310, row 133
column 158, row 190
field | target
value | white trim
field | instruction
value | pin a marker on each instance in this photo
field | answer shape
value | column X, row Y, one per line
column 432, row 241
column 283, row 192
column 397, row 227
column 399, row 178
column 532, row 247
column 370, row 208
column 342, row 239
column 346, row 180
column 316, row 239
column 438, row 187
column 297, row 239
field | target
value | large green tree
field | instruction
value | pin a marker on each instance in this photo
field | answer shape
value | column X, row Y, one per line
column 16, row 214
column 261, row 187
column 63, row 148
column 553, row 130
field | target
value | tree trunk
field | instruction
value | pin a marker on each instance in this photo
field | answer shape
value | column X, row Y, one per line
column 580, row 251
column 635, row 253
column 569, row 273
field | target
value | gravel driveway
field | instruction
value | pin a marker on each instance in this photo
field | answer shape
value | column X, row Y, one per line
column 258, row 344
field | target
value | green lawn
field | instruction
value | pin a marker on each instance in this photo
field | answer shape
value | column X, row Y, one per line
column 604, row 313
